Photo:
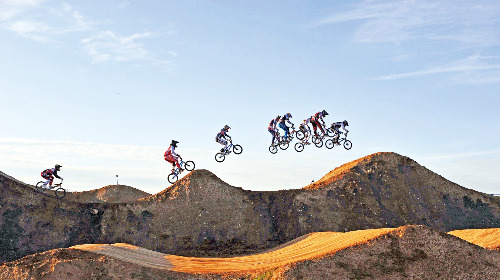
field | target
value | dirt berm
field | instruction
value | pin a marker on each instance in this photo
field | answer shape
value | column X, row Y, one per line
column 203, row 216
column 410, row 252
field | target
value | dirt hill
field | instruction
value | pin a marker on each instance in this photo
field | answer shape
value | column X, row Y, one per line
column 111, row 194
column 203, row 216
column 416, row 252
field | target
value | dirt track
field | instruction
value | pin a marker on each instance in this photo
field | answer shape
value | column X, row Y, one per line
column 308, row 247
column 311, row 246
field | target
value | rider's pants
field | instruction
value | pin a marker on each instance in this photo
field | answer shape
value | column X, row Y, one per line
column 285, row 128
column 173, row 160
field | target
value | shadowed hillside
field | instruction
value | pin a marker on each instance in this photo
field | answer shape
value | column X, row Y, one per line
column 203, row 216
column 415, row 252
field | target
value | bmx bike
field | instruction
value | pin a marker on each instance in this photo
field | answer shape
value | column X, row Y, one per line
column 237, row 149
column 174, row 176
column 59, row 191
column 330, row 143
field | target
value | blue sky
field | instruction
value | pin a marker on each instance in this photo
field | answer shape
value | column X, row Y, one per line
column 103, row 87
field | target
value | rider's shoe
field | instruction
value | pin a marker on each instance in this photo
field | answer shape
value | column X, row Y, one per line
column 222, row 150
column 180, row 170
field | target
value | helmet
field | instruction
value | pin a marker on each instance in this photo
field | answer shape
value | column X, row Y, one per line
column 278, row 117
column 226, row 127
column 346, row 123
column 324, row 113
column 58, row 167
column 288, row 115
column 174, row 143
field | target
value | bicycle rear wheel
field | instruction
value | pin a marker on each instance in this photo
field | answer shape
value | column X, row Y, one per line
column 319, row 143
column 284, row 145
column 219, row 157
column 189, row 165
column 60, row 192
column 329, row 143
column 172, row 178
column 299, row 147
column 273, row 149
column 347, row 144
column 237, row 149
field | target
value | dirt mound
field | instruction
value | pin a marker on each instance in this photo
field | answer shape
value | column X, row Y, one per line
column 203, row 216
column 406, row 252
column 111, row 194
column 488, row 238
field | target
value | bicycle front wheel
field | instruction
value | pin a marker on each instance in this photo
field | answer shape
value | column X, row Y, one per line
column 219, row 157
column 189, row 165
column 237, row 149
column 300, row 135
column 60, row 192
column 299, row 147
column 347, row 144
column 273, row 149
column 329, row 143
column 172, row 178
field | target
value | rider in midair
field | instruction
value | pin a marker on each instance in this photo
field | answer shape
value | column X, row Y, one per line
column 337, row 126
column 282, row 124
column 172, row 157
column 317, row 120
column 49, row 174
column 272, row 129
column 221, row 137
column 304, row 126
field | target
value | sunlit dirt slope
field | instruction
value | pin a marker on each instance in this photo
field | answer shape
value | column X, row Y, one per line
column 488, row 238
column 415, row 252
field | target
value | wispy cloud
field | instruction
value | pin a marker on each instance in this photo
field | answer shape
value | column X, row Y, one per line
column 463, row 67
column 62, row 24
column 107, row 46
column 469, row 22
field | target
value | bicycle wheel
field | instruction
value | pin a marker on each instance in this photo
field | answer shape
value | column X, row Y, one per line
column 60, row 192
column 273, row 149
column 315, row 139
column 300, row 135
column 347, row 144
column 329, row 143
column 219, row 157
column 284, row 145
column 189, row 165
column 39, row 186
column 237, row 149
column 319, row 143
column 299, row 147
column 172, row 178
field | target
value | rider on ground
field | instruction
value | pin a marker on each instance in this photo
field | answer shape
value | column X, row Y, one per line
column 172, row 157
column 282, row 124
column 49, row 174
column 317, row 120
column 221, row 137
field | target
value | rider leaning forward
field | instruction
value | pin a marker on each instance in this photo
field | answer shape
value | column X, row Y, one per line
column 49, row 174
column 221, row 137
column 317, row 121
column 172, row 157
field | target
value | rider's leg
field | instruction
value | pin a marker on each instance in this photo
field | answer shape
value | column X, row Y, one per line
column 274, row 135
column 315, row 126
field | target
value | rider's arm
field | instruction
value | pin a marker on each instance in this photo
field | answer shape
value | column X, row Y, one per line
column 55, row 175
column 173, row 152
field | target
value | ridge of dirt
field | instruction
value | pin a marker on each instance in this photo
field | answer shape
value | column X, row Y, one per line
column 488, row 238
column 110, row 194
column 203, row 216
column 415, row 252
